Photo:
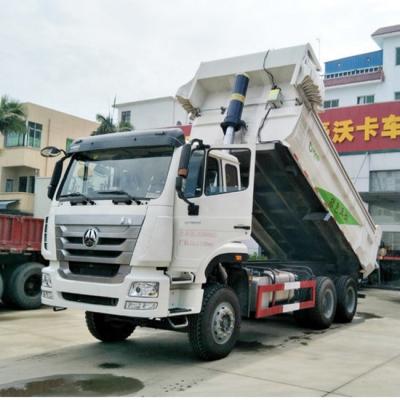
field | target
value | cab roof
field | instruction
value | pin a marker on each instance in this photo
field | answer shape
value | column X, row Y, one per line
column 148, row 138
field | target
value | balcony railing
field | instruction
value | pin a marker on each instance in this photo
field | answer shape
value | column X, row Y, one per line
column 354, row 76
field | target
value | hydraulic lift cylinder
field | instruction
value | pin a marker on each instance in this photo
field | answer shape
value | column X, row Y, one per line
column 233, row 120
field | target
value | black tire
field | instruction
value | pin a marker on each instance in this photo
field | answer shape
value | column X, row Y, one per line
column 213, row 333
column 322, row 315
column 346, row 289
column 23, row 286
column 108, row 329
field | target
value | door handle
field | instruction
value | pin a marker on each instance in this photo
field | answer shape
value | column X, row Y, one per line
column 245, row 227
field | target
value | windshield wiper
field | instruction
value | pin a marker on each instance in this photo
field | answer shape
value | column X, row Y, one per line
column 121, row 193
column 77, row 197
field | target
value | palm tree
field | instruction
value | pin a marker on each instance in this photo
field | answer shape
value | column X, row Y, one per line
column 12, row 116
column 106, row 125
column 125, row 126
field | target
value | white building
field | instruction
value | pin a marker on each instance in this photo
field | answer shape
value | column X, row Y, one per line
column 362, row 116
column 152, row 113
column 372, row 77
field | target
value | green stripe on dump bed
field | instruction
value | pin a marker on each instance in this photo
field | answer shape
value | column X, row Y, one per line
column 339, row 211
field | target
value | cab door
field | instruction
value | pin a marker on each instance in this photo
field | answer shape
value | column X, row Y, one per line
column 220, row 182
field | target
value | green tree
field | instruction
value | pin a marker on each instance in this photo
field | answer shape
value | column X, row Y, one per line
column 106, row 125
column 125, row 126
column 12, row 115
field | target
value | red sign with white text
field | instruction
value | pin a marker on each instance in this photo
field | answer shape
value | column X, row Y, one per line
column 370, row 127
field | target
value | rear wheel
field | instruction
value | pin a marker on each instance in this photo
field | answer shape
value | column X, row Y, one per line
column 23, row 286
column 322, row 315
column 346, row 289
column 213, row 333
column 108, row 329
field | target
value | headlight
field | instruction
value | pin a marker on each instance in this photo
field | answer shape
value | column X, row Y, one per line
column 140, row 305
column 47, row 295
column 144, row 289
column 46, row 280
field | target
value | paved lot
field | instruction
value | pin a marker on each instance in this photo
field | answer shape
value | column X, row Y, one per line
column 49, row 352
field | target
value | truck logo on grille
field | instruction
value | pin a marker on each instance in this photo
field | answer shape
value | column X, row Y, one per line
column 91, row 237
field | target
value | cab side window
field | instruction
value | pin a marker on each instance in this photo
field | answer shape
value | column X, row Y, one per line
column 213, row 181
column 194, row 181
column 231, row 177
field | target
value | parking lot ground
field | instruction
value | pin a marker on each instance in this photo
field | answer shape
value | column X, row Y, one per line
column 43, row 352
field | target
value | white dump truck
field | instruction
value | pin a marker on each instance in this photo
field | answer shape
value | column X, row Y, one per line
column 146, row 229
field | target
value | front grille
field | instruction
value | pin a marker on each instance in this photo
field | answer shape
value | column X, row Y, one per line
column 102, row 241
column 109, row 260
column 83, row 298
column 95, row 253
column 90, row 269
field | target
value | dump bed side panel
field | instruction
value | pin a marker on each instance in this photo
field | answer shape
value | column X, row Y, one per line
column 316, row 198
column 289, row 221
column 20, row 234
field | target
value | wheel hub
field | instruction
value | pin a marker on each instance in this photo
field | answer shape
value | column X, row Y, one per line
column 350, row 299
column 223, row 323
column 328, row 304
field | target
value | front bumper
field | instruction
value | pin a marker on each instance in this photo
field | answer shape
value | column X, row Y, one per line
column 107, row 298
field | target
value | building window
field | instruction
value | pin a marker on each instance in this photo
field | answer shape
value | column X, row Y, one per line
column 398, row 56
column 34, row 134
column 68, row 143
column 331, row 103
column 9, row 185
column 397, row 95
column 369, row 99
column 30, row 138
column 126, row 116
column 14, row 139
column 26, row 184
column 384, row 181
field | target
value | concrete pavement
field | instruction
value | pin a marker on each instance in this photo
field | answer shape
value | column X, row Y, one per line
column 274, row 357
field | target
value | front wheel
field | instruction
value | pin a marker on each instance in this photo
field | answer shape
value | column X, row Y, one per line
column 213, row 333
column 108, row 329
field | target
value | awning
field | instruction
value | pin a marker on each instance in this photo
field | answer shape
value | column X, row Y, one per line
column 4, row 204
column 380, row 197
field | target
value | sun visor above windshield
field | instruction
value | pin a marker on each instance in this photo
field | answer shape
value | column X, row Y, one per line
column 165, row 137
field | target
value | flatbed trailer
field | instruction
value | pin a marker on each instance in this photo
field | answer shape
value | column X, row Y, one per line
column 21, row 261
column 164, row 245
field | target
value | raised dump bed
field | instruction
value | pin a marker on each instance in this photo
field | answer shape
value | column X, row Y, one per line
column 305, row 207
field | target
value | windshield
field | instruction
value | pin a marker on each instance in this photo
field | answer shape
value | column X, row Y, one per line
column 139, row 172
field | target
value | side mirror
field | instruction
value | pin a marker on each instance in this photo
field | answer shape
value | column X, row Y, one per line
column 179, row 184
column 55, row 178
column 51, row 151
column 183, row 169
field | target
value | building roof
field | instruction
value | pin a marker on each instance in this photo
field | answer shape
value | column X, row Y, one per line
column 152, row 100
column 29, row 104
column 386, row 30
column 358, row 61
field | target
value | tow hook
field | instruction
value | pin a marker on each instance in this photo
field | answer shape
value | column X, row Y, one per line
column 56, row 309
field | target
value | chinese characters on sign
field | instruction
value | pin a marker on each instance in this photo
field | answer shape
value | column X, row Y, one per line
column 364, row 128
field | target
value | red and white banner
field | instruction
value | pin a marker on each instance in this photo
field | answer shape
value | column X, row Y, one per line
column 370, row 127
